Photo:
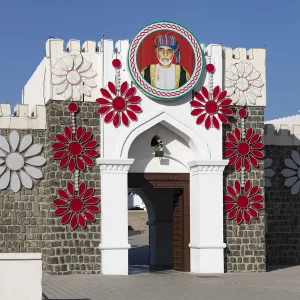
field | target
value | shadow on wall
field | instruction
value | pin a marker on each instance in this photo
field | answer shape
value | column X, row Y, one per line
column 282, row 209
column 139, row 255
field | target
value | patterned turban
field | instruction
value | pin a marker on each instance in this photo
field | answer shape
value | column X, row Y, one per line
column 169, row 41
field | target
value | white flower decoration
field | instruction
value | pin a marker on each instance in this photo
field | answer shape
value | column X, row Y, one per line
column 18, row 166
column 243, row 83
column 269, row 172
column 73, row 77
column 293, row 172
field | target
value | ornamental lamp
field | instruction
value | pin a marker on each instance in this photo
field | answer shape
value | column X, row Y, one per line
column 158, row 144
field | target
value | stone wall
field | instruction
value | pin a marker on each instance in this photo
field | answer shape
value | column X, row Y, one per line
column 71, row 251
column 246, row 242
column 282, row 213
column 27, row 218
column 23, row 224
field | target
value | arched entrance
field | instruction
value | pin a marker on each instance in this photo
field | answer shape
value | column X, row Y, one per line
column 168, row 198
column 186, row 155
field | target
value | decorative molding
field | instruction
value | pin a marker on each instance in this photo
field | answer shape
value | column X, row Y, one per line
column 151, row 119
column 114, row 165
column 212, row 166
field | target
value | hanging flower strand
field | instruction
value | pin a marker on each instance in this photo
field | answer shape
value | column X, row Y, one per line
column 76, row 208
column 212, row 109
column 243, row 203
column 119, row 106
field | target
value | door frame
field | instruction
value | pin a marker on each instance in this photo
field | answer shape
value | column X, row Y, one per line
column 169, row 180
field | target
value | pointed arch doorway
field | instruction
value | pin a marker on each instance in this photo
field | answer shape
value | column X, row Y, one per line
column 170, row 249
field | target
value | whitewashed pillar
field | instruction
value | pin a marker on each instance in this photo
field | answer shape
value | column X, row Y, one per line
column 206, row 216
column 114, row 215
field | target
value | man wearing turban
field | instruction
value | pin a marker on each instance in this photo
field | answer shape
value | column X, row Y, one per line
column 166, row 75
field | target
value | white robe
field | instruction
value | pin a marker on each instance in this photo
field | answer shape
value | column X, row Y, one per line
column 165, row 77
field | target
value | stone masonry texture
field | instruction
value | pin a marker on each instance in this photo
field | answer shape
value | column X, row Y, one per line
column 27, row 219
column 28, row 222
column 22, row 225
column 282, row 213
column 245, row 250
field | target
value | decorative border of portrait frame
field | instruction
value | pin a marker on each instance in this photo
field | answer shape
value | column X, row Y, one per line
column 140, row 81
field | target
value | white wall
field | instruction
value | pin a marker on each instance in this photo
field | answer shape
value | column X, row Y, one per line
column 135, row 201
column 177, row 152
column 20, row 276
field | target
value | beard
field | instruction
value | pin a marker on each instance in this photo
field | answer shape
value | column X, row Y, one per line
column 165, row 61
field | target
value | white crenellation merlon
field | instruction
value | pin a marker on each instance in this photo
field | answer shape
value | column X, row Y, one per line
column 40, row 90
column 254, row 56
column 23, row 117
column 290, row 120
column 282, row 135
column 212, row 52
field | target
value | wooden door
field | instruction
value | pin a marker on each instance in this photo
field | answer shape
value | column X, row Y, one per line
column 181, row 210
column 178, row 240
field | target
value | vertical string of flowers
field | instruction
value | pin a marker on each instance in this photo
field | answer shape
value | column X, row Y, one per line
column 210, row 106
column 244, row 149
column 119, row 104
column 75, row 149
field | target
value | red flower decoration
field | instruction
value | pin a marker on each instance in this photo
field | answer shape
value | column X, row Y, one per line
column 75, row 150
column 212, row 109
column 243, row 205
column 120, row 106
column 210, row 68
column 77, row 209
column 243, row 153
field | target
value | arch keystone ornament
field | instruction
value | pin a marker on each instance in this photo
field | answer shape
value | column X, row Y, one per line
column 165, row 60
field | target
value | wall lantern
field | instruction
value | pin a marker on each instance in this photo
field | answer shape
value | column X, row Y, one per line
column 158, row 144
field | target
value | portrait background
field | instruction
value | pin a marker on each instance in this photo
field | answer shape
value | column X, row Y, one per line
column 146, row 53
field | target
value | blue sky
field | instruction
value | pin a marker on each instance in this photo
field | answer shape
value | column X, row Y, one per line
column 26, row 25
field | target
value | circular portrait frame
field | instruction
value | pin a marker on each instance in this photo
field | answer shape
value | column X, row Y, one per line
column 151, row 90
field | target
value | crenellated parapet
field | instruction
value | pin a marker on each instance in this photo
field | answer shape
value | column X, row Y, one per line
column 73, row 71
column 76, row 71
column 23, row 117
column 245, row 75
column 282, row 135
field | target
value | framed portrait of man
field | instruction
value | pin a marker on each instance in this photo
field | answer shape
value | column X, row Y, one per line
column 165, row 60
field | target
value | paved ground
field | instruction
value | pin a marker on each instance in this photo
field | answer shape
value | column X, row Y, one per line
column 282, row 284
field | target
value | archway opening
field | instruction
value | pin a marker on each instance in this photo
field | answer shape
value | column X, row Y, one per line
column 165, row 245
column 160, row 176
